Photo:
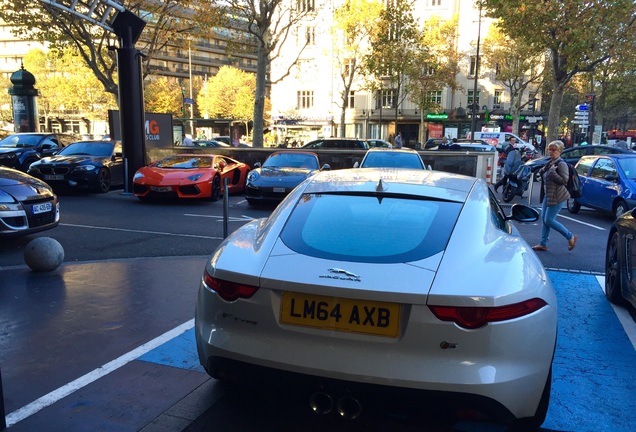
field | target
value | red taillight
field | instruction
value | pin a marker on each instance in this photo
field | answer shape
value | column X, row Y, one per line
column 229, row 291
column 475, row 317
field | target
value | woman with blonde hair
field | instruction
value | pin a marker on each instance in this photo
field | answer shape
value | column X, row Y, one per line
column 554, row 195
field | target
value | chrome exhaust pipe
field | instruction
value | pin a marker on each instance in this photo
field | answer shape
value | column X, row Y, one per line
column 321, row 403
column 349, row 408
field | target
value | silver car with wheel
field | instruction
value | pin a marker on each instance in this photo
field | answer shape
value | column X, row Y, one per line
column 370, row 282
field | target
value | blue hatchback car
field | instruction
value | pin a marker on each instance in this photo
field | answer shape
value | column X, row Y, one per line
column 608, row 183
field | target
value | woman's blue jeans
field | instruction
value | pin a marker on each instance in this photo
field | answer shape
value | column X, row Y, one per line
column 548, row 219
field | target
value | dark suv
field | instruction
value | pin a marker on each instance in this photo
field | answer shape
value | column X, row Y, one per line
column 337, row 143
column 20, row 150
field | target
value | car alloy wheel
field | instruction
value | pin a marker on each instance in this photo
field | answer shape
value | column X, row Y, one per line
column 619, row 208
column 573, row 206
column 103, row 180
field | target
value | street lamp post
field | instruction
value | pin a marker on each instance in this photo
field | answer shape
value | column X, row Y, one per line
column 473, row 124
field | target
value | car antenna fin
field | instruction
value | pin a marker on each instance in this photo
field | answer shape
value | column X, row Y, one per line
column 381, row 187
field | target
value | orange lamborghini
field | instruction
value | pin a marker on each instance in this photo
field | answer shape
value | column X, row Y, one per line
column 190, row 176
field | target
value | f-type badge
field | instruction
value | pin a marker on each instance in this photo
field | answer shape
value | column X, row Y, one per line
column 341, row 274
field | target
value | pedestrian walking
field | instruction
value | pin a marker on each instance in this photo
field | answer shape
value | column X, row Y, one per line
column 398, row 140
column 554, row 194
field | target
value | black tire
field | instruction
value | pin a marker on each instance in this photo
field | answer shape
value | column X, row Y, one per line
column 26, row 164
column 614, row 278
column 508, row 193
column 573, row 206
column 619, row 208
column 533, row 423
column 103, row 181
column 215, row 194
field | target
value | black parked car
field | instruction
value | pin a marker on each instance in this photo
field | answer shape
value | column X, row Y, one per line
column 20, row 150
column 95, row 165
column 337, row 143
column 620, row 260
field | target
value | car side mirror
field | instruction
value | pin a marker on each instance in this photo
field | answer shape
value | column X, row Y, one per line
column 523, row 213
column 257, row 165
column 325, row 167
column 356, row 165
column 611, row 177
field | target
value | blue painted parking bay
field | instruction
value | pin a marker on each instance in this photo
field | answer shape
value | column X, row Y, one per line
column 594, row 379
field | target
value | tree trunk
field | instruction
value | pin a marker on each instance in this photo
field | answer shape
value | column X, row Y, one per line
column 555, row 112
column 259, row 100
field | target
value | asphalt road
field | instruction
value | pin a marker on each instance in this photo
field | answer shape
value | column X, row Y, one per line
column 115, row 225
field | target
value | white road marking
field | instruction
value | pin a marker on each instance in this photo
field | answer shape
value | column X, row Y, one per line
column 60, row 393
column 243, row 218
column 141, row 231
column 583, row 223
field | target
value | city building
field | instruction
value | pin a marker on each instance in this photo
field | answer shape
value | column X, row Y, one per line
column 306, row 103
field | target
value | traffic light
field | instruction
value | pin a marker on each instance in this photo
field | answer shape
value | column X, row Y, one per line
column 589, row 98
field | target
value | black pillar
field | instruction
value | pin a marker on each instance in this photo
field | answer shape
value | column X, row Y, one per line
column 128, row 28
column 23, row 93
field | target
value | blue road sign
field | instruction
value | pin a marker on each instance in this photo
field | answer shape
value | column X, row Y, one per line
column 582, row 107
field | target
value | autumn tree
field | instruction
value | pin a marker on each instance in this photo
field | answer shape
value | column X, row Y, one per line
column 171, row 24
column 436, row 66
column 6, row 115
column 164, row 95
column 354, row 21
column 577, row 36
column 269, row 23
column 229, row 94
column 518, row 66
column 392, row 54
column 65, row 84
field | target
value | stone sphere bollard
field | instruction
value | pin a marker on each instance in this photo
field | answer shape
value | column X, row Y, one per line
column 44, row 254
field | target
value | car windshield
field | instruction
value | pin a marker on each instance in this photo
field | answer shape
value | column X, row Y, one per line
column 392, row 160
column 291, row 160
column 184, row 162
column 628, row 165
column 88, row 148
column 366, row 228
column 20, row 141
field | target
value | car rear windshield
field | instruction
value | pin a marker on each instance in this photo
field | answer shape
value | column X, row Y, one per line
column 392, row 160
column 370, row 228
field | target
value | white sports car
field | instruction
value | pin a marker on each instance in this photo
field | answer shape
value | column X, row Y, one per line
column 412, row 281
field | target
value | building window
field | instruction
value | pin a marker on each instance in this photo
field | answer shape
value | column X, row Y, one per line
column 385, row 99
column 310, row 35
column 305, row 99
column 436, row 2
column 305, row 5
column 498, row 99
column 473, row 97
column 473, row 65
column 350, row 100
column 434, row 97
